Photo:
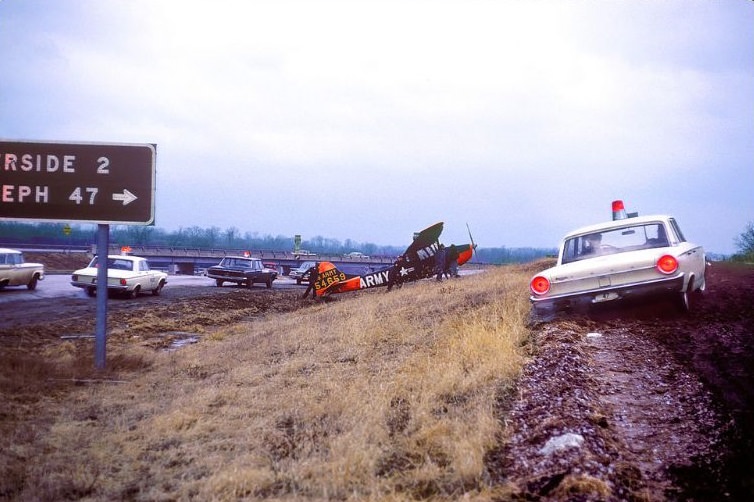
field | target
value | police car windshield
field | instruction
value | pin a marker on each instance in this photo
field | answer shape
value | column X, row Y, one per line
column 616, row 240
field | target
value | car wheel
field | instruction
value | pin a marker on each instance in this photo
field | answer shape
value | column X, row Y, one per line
column 156, row 291
column 298, row 281
column 683, row 301
column 249, row 282
column 32, row 284
column 219, row 283
column 684, row 297
column 91, row 291
column 269, row 283
column 135, row 292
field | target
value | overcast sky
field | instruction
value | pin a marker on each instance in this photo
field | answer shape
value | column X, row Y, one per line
column 369, row 120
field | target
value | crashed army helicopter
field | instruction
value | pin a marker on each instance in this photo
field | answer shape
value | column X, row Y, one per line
column 417, row 262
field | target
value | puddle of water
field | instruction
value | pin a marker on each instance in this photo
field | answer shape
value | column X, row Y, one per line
column 182, row 339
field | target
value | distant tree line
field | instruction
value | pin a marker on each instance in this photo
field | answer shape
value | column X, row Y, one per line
column 230, row 238
column 504, row 255
column 745, row 244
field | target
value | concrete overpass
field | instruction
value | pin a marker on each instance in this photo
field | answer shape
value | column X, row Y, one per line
column 191, row 261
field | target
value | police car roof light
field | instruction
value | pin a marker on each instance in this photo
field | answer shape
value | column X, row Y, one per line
column 619, row 210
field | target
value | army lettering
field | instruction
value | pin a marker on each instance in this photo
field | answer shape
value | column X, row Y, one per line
column 328, row 278
column 426, row 252
column 375, row 279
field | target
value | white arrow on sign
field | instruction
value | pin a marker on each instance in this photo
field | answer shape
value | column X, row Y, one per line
column 127, row 197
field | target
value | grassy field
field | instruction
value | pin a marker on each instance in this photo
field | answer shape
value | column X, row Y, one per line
column 374, row 396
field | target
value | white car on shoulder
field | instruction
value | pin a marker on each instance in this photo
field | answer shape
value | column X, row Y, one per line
column 126, row 275
column 14, row 271
column 630, row 256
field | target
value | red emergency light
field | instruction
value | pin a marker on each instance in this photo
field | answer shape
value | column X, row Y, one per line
column 619, row 210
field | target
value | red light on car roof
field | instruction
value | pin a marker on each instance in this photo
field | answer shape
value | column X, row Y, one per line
column 667, row 264
column 619, row 210
column 539, row 285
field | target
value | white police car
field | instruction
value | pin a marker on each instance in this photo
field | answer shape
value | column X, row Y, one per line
column 631, row 256
column 127, row 275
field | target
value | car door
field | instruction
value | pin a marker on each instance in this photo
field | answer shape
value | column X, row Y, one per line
column 6, row 268
column 150, row 279
column 256, row 266
column 15, row 271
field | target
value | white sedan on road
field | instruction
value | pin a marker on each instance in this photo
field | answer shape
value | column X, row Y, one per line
column 14, row 271
column 127, row 275
column 627, row 257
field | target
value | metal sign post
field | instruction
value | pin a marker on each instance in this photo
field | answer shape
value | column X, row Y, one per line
column 100, row 335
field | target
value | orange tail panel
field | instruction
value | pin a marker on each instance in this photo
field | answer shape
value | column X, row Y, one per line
column 465, row 255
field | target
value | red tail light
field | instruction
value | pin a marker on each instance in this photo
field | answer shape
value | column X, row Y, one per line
column 667, row 264
column 122, row 282
column 539, row 285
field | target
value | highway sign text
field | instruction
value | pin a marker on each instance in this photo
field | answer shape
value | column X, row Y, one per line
column 91, row 182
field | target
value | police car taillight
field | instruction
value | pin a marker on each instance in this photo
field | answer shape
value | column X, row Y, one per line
column 122, row 282
column 667, row 264
column 539, row 285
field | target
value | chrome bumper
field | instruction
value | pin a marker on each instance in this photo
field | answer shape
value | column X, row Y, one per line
column 609, row 293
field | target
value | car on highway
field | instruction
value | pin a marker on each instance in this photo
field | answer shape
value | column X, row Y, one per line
column 14, row 271
column 242, row 270
column 126, row 275
column 355, row 255
column 302, row 253
column 270, row 265
column 301, row 273
column 630, row 256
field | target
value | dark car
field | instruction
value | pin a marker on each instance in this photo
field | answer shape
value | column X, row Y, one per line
column 242, row 271
column 271, row 266
column 301, row 273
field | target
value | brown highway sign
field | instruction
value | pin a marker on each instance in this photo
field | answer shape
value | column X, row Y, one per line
column 89, row 182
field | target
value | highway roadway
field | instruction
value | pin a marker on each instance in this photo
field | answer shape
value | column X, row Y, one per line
column 59, row 286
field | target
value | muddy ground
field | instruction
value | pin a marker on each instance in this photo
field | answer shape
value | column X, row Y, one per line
column 153, row 321
column 649, row 404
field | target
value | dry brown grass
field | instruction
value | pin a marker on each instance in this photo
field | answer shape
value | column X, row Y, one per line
column 371, row 397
